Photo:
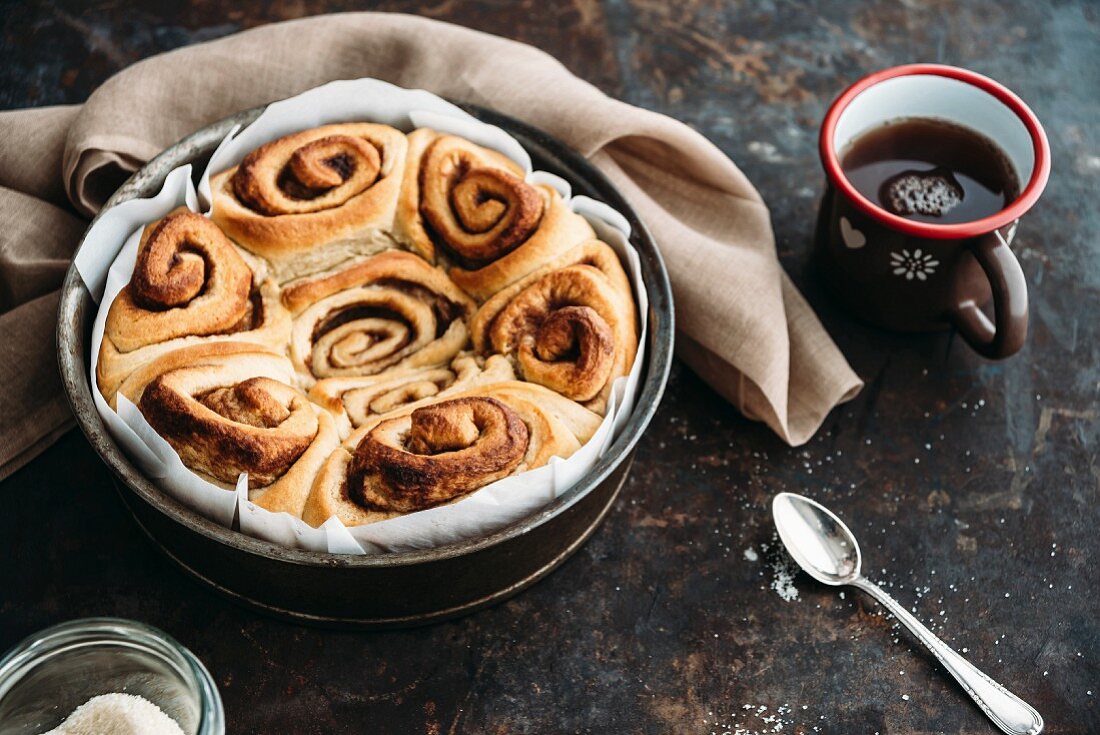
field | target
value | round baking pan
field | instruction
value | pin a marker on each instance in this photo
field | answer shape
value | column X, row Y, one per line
column 389, row 590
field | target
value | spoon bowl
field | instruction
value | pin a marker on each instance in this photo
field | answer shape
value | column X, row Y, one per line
column 816, row 539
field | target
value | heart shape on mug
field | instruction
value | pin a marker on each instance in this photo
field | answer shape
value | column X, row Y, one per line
column 853, row 238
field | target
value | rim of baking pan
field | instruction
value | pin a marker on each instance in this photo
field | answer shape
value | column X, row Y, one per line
column 76, row 308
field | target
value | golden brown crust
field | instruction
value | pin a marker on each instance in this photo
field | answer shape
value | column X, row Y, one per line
column 195, row 355
column 365, row 480
column 474, row 204
column 190, row 286
column 258, row 426
column 188, row 279
column 479, row 213
column 391, row 310
column 435, row 454
column 410, row 224
column 376, row 334
column 569, row 326
column 321, row 174
column 227, row 409
column 312, row 199
column 559, row 230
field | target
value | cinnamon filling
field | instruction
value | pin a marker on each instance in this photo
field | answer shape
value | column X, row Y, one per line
column 176, row 262
column 376, row 315
column 188, row 279
column 572, row 352
column 446, row 311
column 253, row 317
column 436, row 454
column 477, row 213
column 246, row 403
column 288, row 177
column 258, row 426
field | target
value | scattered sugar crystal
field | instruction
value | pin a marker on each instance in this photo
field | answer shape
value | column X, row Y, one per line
column 783, row 574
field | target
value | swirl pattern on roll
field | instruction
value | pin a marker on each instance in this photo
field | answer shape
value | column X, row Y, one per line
column 391, row 310
column 569, row 326
column 475, row 205
column 356, row 400
column 190, row 284
column 287, row 339
column 231, row 408
column 437, row 452
column 310, row 200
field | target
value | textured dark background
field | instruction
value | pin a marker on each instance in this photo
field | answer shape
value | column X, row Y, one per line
column 973, row 485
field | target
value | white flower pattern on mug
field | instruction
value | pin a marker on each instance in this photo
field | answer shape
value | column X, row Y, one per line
column 916, row 264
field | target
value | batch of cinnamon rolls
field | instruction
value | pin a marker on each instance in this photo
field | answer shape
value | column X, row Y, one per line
column 370, row 324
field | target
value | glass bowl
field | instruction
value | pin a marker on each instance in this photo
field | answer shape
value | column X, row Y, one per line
column 51, row 673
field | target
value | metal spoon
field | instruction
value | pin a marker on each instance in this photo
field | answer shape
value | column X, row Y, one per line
column 825, row 548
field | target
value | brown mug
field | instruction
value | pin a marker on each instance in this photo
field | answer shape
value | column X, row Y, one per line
column 915, row 276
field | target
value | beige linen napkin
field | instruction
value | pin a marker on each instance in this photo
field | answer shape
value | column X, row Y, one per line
column 741, row 324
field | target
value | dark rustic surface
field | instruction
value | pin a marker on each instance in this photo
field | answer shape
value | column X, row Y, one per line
column 973, row 485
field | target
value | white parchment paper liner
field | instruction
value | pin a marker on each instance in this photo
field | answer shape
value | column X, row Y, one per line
column 106, row 263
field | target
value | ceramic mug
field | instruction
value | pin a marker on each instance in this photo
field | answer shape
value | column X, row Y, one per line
column 914, row 276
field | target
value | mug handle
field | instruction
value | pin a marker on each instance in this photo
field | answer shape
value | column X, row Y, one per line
column 1004, row 335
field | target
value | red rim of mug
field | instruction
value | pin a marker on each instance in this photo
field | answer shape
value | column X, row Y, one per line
column 1035, row 185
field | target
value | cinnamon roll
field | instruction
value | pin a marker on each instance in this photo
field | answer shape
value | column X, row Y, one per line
column 190, row 285
column 229, row 409
column 569, row 326
column 438, row 452
column 474, row 204
column 288, row 339
column 313, row 199
column 354, row 401
column 392, row 310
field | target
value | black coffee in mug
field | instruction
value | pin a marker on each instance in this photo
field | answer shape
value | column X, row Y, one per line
column 931, row 170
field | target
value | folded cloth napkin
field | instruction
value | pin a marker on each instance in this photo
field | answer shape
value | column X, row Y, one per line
column 741, row 323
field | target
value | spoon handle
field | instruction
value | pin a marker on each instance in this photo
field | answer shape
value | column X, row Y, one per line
column 1010, row 713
